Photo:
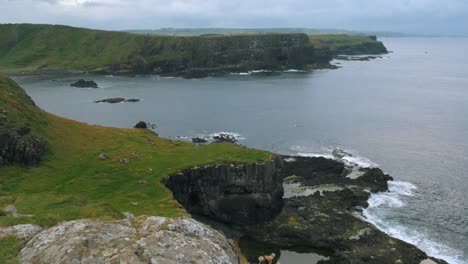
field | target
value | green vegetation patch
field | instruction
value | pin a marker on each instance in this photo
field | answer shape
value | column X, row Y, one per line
column 9, row 249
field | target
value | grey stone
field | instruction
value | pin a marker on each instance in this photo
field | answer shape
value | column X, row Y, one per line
column 103, row 156
column 20, row 231
column 11, row 210
column 146, row 240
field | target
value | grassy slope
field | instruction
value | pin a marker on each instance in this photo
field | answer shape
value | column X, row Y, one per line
column 28, row 47
column 72, row 183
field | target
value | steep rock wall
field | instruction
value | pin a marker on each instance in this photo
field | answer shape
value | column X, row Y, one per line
column 237, row 194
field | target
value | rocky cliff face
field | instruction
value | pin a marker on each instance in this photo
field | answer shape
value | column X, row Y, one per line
column 146, row 240
column 236, row 194
column 18, row 145
column 20, row 142
column 201, row 56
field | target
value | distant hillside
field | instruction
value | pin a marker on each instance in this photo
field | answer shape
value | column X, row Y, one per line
column 27, row 48
column 225, row 31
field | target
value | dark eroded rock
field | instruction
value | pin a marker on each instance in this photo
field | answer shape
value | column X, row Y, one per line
column 84, row 84
column 224, row 137
column 199, row 140
column 18, row 145
column 236, row 194
column 141, row 125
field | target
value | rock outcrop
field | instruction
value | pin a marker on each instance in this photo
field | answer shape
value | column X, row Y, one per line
column 84, row 84
column 320, row 208
column 116, row 100
column 18, row 145
column 236, row 194
column 21, row 122
column 141, row 125
column 145, row 240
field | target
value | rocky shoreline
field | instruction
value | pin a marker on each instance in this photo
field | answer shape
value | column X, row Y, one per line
column 323, row 215
column 304, row 204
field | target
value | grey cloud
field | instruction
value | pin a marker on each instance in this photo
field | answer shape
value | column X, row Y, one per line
column 427, row 16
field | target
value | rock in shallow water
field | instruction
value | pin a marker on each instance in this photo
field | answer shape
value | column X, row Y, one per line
column 145, row 240
column 84, row 84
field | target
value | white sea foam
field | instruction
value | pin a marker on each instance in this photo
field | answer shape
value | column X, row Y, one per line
column 347, row 157
column 375, row 215
column 232, row 134
column 315, row 155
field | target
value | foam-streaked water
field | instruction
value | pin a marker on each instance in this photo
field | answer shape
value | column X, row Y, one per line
column 407, row 112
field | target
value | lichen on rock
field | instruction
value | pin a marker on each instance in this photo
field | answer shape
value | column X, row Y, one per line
column 144, row 240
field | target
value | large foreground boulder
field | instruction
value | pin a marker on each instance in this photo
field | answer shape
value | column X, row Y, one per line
column 148, row 240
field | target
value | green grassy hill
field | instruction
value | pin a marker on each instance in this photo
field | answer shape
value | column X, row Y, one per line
column 71, row 182
column 28, row 47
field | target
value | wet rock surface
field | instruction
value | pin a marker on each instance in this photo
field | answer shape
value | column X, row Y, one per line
column 144, row 240
column 237, row 194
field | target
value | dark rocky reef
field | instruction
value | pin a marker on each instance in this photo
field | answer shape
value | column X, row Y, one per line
column 320, row 209
column 116, row 100
column 84, row 84
column 238, row 194
column 199, row 140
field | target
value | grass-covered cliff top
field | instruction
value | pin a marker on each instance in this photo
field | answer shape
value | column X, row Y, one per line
column 71, row 182
column 29, row 47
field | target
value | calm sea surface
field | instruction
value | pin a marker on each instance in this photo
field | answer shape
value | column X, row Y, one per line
column 406, row 112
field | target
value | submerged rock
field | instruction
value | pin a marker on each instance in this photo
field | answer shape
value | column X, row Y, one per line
column 84, row 84
column 114, row 100
column 145, row 240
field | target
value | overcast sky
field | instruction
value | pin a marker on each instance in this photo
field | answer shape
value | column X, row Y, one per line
column 407, row 16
